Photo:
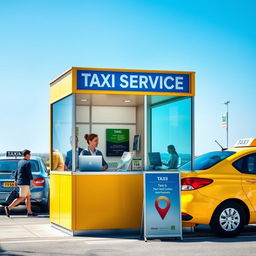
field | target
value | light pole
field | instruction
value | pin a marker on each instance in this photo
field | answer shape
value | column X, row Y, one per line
column 226, row 103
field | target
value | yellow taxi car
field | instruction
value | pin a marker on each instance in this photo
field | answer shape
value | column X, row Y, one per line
column 221, row 189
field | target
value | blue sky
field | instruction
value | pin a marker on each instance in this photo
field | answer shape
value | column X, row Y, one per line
column 41, row 39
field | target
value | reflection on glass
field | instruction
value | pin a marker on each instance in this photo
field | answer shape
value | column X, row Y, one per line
column 208, row 160
column 61, row 133
column 68, row 161
column 171, row 131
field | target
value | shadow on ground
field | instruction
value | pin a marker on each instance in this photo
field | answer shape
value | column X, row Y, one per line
column 21, row 210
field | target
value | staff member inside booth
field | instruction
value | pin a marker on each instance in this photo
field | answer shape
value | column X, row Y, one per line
column 93, row 141
column 174, row 158
column 68, row 161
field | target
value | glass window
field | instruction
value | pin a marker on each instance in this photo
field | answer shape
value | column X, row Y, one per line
column 62, row 134
column 239, row 164
column 7, row 165
column 208, row 160
column 246, row 164
column 97, row 113
column 251, row 164
column 171, row 130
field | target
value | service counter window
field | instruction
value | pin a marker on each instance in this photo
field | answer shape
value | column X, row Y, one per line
column 62, row 134
column 169, row 131
column 116, row 120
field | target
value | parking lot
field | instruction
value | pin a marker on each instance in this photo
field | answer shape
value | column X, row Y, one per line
column 21, row 235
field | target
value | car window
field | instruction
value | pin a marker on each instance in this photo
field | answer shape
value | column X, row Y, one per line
column 9, row 165
column 239, row 164
column 44, row 166
column 207, row 160
column 246, row 164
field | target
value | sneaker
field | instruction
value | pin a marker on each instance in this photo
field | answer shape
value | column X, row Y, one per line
column 7, row 211
column 33, row 214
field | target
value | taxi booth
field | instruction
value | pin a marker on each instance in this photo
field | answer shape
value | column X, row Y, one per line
column 134, row 113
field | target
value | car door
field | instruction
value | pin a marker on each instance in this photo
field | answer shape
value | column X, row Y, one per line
column 247, row 166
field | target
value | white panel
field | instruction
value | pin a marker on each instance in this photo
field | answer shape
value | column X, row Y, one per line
column 100, row 129
column 82, row 114
column 82, row 129
column 113, row 114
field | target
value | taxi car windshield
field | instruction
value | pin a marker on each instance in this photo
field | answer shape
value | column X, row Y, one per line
column 9, row 165
column 207, row 160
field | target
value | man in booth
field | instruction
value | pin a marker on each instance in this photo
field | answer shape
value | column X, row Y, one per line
column 68, row 161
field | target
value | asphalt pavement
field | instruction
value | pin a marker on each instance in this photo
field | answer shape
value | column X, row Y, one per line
column 21, row 235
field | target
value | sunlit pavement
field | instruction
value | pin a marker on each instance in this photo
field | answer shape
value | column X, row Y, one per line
column 21, row 235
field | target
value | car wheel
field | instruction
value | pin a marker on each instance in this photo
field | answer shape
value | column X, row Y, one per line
column 228, row 220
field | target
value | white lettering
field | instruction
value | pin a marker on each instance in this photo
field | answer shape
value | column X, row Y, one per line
column 124, row 82
column 105, row 80
column 86, row 75
column 165, row 82
column 161, row 82
column 133, row 81
column 143, row 81
column 179, row 81
column 153, row 83
column 113, row 80
column 162, row 178
column 95, row 81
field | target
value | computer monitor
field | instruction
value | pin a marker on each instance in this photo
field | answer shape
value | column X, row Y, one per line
column 154, row 159
column 90, row 163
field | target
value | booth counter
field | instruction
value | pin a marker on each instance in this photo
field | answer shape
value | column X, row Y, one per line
column 149, row 114
column 96, row 201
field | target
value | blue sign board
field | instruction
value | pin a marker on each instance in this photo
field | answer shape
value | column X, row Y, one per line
column 162, row 214
column 133, row 81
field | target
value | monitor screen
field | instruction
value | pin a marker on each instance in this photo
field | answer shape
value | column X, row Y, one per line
column 154, row 158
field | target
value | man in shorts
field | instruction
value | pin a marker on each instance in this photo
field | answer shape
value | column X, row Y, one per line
column 23, row 177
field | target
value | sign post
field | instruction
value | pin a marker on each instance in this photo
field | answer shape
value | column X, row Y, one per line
column 162, row 213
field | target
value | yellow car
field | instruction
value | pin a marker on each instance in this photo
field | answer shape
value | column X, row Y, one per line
column 221, row 191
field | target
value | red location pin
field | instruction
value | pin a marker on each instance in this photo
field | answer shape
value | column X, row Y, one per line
column 162, row 211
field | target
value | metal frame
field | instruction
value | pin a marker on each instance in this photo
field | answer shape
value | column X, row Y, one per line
column 73, row 132
column 192, row 121
column 192, row 132
column 145, row 132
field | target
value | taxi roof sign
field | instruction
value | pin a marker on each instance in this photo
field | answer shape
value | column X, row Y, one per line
column 14, row 153
column 246, row 142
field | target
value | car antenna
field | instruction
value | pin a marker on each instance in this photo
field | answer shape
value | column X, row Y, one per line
column 222, row 149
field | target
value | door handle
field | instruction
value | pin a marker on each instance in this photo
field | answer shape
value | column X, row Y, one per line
column 251, row 180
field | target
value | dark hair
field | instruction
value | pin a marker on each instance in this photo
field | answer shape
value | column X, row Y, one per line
column 90, row 137
column 171, row 147
column 26, row 152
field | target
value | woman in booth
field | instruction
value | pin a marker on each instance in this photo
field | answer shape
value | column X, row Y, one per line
column 93, row 141
column 174, row 158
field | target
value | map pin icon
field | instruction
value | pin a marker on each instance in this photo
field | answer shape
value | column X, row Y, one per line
column 162, row 211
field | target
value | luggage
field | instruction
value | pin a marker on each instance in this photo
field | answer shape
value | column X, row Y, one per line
column 12, row 196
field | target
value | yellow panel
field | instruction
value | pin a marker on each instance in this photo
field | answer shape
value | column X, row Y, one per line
column 133, row 93
column 108, row 201
column 66, row 201
column 61, row 87
column 134, row 70
column 55, row 198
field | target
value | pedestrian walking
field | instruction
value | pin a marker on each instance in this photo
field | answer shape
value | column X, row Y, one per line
column 23, row 178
